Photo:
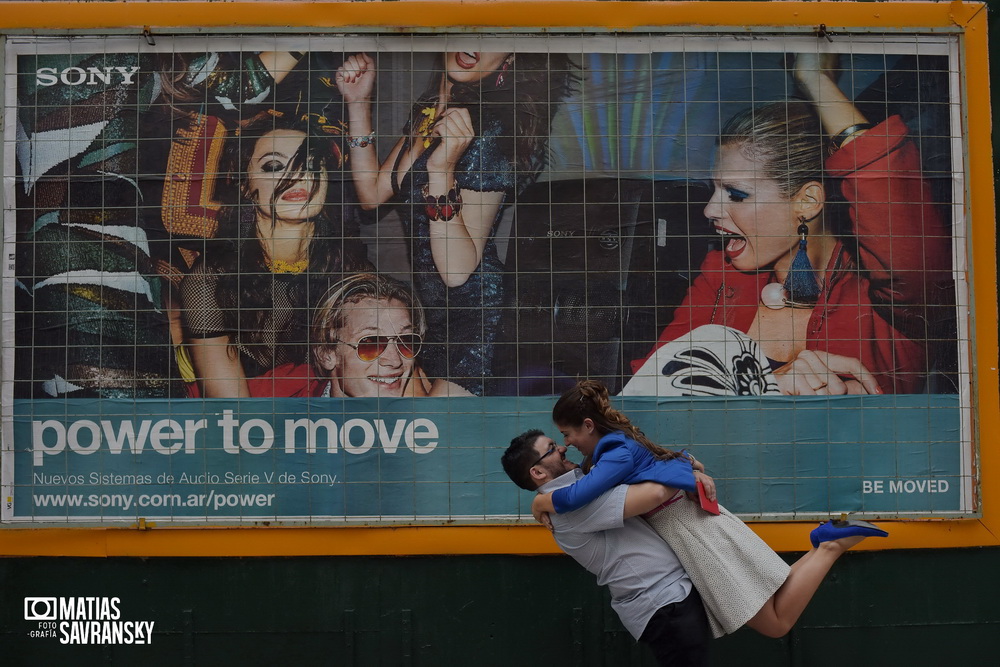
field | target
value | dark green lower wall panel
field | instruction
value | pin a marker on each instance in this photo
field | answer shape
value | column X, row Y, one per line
column 892, row 608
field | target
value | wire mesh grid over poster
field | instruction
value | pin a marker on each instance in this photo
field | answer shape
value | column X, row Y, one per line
column 327, row 279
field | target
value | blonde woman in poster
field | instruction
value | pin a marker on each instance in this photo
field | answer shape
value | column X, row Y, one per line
column 475, row 137
column 365, row 340
column 281, row 243
column 830, row 306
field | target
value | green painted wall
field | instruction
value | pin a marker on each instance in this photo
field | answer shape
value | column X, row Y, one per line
column 884, row 608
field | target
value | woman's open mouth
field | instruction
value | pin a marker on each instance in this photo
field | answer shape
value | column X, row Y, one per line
column 735, row 243
column 466, row 59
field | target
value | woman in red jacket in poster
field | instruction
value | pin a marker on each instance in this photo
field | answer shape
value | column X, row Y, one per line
column 830, row 310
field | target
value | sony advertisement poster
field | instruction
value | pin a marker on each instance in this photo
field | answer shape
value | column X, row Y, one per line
column 326, row 279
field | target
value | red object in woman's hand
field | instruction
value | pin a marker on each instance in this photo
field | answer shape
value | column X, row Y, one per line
column 710, row 506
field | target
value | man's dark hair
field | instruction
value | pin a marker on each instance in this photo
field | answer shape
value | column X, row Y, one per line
column 519, row 458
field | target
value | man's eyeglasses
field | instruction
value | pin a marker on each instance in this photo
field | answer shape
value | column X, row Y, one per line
column 553, row 447
column 370, row 348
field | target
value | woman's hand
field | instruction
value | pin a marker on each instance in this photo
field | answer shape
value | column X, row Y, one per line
column 817, row 373
column 707, row 482
column 540, row 508
column 356, row 78
column 455, row 129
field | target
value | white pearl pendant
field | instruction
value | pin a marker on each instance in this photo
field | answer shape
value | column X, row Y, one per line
column 773, row 296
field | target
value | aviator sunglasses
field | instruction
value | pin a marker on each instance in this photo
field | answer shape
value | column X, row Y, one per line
column 370, row 348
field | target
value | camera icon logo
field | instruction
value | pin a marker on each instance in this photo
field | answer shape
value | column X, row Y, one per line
column 40, row 609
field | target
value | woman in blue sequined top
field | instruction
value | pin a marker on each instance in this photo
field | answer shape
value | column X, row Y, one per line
column 467, row 150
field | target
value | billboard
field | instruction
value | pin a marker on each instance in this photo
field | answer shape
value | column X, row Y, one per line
column 325, row 279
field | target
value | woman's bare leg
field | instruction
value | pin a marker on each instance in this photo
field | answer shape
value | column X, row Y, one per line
column 780, row 613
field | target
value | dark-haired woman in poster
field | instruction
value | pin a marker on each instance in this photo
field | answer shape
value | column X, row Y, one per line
column 475, row 137
column 281, row 242
column 94, row 244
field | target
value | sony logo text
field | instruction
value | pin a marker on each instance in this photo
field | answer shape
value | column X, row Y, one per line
column 91, row 76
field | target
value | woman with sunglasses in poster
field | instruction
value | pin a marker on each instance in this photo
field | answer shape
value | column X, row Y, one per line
column 834, row 309
column 247, row 299
column 365, row 338
column 475, row 138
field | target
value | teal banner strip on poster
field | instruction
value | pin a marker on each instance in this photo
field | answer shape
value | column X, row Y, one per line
column 438, row 459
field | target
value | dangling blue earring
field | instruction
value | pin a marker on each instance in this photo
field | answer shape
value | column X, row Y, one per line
column 801, row 287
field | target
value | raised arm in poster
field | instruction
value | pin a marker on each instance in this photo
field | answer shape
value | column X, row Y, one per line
column 837, row 304
column 475, row 137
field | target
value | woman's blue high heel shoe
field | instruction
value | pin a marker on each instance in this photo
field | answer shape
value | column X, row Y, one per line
column 837, row 528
